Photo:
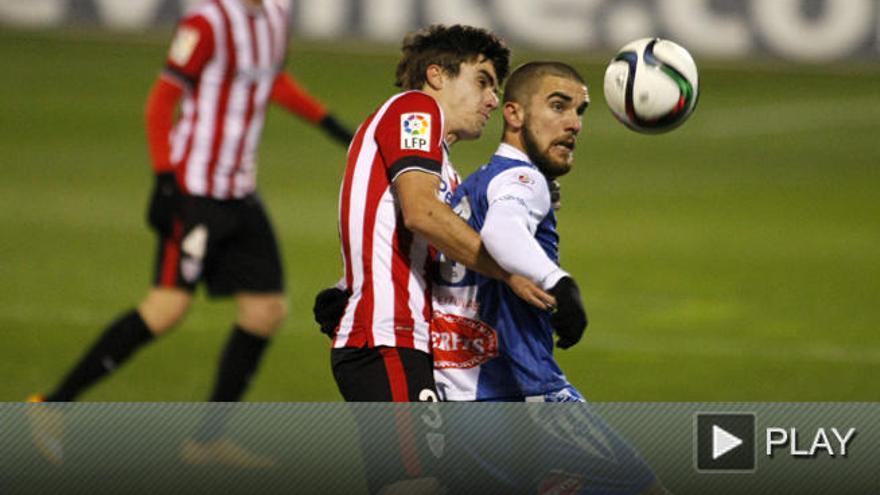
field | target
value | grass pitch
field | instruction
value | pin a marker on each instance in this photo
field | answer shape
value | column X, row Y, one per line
column 734, row 259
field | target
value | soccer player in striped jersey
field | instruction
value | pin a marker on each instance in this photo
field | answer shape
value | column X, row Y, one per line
column 393, row 211
column 224, row 67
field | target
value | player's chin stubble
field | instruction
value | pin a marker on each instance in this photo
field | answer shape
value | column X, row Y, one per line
column 543, row 159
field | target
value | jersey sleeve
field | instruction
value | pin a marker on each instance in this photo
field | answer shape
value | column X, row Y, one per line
column 191, row 48
column 159, row 115
column 519, row 199
column 409, row 135
column 287, row 92
column 525, row 188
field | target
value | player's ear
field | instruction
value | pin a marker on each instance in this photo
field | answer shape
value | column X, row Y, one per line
column 435, row 77
column 514, row 115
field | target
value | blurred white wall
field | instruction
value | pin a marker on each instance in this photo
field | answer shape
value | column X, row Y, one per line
column 807, row 30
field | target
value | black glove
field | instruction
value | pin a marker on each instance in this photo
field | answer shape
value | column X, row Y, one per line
column 163, row 203
column 570, row 319
column 555, row 193
column 329, row 308
column 336, row 130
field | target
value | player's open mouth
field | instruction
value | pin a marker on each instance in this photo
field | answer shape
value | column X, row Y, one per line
column 567, row 144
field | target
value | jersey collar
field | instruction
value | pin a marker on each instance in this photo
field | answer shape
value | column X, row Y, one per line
column 507, row 151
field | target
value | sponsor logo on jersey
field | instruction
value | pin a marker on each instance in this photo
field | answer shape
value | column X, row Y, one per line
column 415, row 131
column 525, row 179
column 184, row 44
column 459, row 342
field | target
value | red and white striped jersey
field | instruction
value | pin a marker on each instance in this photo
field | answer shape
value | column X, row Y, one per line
column 228, row 55
column 385, row 263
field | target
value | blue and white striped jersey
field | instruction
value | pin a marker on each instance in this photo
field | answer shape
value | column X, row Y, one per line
column 488, row 344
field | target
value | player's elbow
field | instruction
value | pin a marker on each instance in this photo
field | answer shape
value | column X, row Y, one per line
column 418, row 218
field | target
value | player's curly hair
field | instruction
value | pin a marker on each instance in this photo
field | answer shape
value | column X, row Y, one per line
column 448, row 47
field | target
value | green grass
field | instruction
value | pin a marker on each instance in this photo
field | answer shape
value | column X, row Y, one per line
column 733, row 259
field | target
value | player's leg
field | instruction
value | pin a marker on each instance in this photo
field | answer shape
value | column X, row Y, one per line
column 259, row 317
column 164, row 306
column 580, row 449
column 247, row 265
column 402, row 446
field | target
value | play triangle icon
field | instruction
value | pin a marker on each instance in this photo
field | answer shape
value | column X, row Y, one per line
column 723, row 442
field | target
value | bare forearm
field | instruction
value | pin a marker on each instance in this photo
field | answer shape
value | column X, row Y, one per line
column 457, row 240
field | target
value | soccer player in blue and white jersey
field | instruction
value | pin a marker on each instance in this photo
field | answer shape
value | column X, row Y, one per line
column 488, row 345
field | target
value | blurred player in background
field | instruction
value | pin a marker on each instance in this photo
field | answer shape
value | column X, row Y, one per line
column 394, row 204
column 224, row 67
column 488, row 344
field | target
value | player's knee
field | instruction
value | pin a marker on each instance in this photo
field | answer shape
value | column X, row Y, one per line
column 263, row 316
column 163, row 309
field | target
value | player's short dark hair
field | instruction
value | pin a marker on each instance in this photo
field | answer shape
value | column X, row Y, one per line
column 522, row 81
column 448, row 47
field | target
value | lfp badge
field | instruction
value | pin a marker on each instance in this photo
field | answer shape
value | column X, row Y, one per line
column 415, row 131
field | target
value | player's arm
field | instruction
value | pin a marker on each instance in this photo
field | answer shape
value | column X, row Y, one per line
column 288, row 93
column 409, row 137
column 192, row 47
column 425, row 214
column 519, row 199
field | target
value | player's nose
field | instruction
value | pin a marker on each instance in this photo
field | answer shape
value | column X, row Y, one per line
column 492, row 101
column 574, row 125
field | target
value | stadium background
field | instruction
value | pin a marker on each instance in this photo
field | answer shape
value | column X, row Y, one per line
column 735, row 259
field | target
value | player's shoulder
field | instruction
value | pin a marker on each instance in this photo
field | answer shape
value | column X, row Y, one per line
column 199, row 17
column 413, row 101
column 413, row 111
column 518, row 179
column 505, row 170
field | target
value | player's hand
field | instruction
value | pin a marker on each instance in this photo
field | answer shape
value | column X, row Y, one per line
column 336, row 130
column 570, row 318
column 329, row 308
column 163, row 203
column 555, row 194
column 530, row 293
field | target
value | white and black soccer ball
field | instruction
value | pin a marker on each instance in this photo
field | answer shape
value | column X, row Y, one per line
column 652, row 85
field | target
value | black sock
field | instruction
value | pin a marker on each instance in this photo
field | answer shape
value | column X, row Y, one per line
column 239, row 361
column 116, row 344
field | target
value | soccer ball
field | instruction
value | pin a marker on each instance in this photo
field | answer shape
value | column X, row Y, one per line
column 651, row 85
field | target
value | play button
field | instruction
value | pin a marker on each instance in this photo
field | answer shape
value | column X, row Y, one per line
column 725, row 442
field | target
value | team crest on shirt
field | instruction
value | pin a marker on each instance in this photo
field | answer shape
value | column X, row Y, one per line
column 415, row 132
column 184, row 44
column 459, row 342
